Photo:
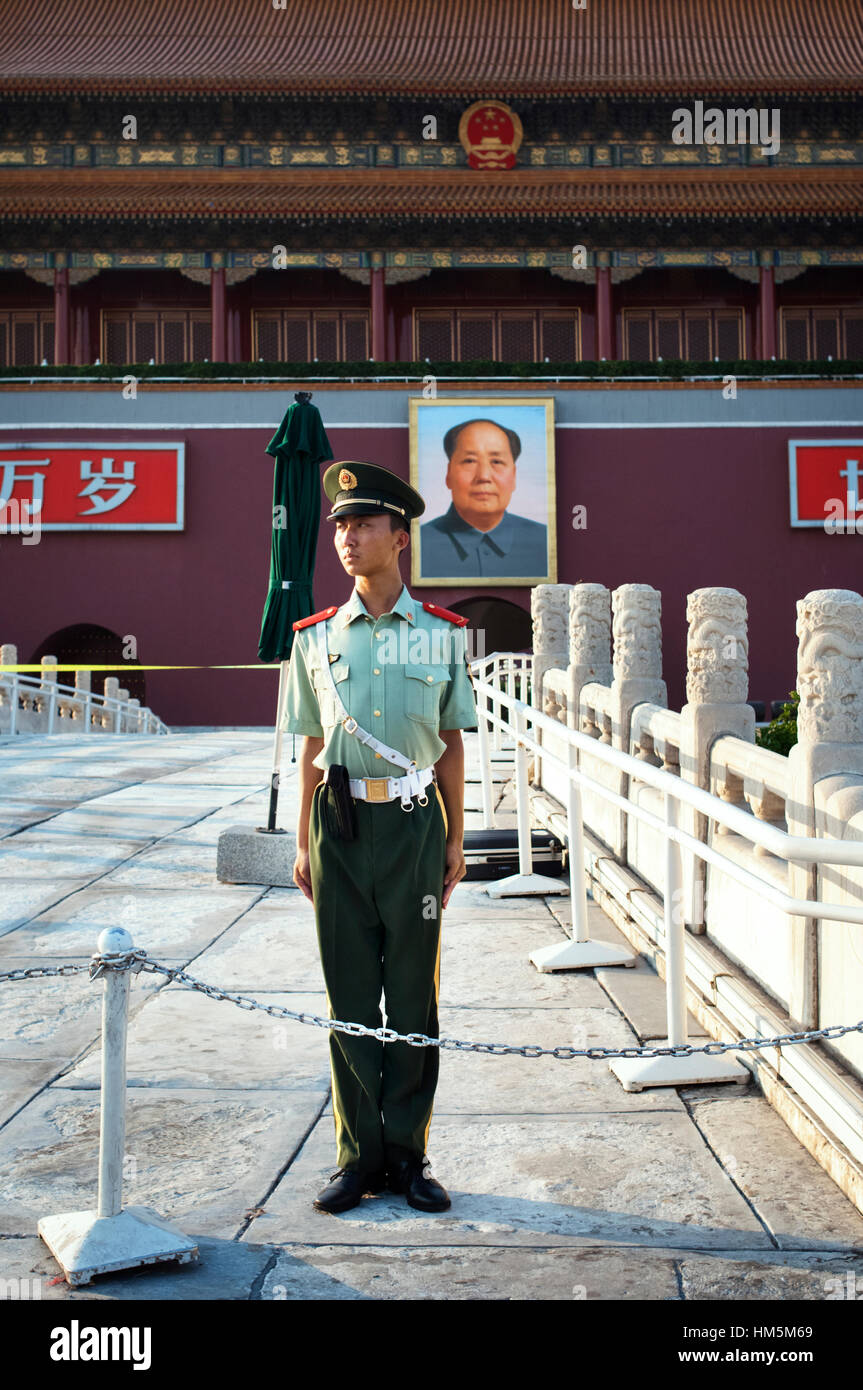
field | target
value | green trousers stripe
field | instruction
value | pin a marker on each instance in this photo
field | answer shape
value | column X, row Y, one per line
column 378, row 912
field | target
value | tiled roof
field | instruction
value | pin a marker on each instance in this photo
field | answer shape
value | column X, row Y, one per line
column 429, row 193
column 461, row 48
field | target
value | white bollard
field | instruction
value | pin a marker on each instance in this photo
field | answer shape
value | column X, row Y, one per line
column 90, row 1242
column 525, row 883
column 580, row 953
column 699, row 1068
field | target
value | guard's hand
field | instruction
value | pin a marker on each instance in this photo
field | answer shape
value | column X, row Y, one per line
column 455, row 870
column 302, row 873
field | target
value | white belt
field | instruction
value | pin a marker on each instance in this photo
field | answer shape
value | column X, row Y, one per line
column 375, row 788
column 391, row 788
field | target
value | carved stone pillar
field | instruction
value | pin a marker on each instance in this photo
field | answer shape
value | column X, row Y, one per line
column 830, row 741
column 589, row 642
column 48, row 672
column 549, row 609
column 637, row 666
column 637, row 629
column 717, row 687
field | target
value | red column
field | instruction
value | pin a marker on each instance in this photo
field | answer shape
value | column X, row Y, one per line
column 604, row 314
column 62, row 355
column 219, row 339
column 234, row 334
column 767, row 306
column 379, row 314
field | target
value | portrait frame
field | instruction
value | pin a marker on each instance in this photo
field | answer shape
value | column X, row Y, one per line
column 429, row 421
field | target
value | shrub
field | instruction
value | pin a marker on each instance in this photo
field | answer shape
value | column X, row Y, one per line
column 781, row 733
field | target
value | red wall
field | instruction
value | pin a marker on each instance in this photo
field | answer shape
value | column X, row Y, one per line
column 675, row 508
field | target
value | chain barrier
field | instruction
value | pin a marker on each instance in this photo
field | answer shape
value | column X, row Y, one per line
column 138, row 960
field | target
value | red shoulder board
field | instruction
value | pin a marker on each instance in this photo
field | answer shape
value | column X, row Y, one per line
column 315, row 618
column 446, row 613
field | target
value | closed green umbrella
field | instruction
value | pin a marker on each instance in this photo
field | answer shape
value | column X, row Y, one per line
column 299, row 446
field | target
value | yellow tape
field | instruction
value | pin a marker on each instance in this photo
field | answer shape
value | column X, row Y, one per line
column 37, row 669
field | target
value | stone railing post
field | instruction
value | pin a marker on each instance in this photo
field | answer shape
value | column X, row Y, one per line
column 49, row 694
column 9, row 657
column 589, row 643
column 637, row 666
column 717, row 686
column 82, row 697
column 123, row 722
column 549, row 609
column 110, row 715
column 829, row 741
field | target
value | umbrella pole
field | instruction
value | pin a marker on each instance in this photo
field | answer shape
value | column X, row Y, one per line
column 270, row 828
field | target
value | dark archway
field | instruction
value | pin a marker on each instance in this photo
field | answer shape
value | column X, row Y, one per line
column 89, row 645
column 495, row 625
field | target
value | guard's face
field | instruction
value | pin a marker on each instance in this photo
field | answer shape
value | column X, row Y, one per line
column 367, row 544
column 481, row 472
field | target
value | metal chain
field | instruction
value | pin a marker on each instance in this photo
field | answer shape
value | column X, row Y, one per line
column 37, row 972
column 138, row 960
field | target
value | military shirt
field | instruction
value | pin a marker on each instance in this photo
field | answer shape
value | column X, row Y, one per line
column 402, row 676
column 450, row 547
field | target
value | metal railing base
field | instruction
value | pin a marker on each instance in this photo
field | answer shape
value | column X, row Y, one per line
column 635, row 1073
column 526, row 886
column 580, row 955
column 84, row 1243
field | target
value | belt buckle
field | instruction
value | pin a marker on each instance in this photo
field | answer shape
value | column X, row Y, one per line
column 377, row 788
column 349, row 724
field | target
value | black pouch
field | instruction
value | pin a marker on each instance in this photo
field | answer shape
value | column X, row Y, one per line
column 340, row 815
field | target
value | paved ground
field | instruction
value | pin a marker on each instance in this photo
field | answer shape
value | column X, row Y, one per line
column 563, row 1185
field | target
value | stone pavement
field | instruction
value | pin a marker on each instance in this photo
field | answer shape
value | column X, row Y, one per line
column 563, row 1185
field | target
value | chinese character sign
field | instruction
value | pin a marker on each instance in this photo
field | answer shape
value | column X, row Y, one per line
column 94, row 487
column 826, row 479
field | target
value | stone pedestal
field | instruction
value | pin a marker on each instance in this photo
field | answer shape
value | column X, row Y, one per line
column 246, row 855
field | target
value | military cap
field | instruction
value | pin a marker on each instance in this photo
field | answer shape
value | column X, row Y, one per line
column 360, row 489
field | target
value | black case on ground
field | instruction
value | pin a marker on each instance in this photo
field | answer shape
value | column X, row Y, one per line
column 491, row 854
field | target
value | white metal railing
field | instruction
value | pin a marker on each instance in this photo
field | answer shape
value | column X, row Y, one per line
column 524, row 717
column 69, row 704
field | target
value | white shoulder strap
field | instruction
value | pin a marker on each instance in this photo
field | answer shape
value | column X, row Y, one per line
column 349, row 724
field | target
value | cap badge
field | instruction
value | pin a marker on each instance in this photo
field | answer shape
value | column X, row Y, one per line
column 347, row 481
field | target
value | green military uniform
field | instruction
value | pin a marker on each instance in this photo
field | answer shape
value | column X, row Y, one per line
column 377, row 898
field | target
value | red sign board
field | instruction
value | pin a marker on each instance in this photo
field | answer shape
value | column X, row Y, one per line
column 93, row 487
column 826, row 481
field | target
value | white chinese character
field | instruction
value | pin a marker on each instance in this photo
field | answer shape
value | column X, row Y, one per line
column 123, row 484
column 8, row 480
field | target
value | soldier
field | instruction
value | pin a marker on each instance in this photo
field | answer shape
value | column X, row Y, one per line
column 380, row 689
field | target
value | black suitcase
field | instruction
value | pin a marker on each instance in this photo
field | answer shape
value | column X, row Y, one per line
column 491, row 854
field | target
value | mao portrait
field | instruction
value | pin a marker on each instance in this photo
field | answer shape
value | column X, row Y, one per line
column 486, row 471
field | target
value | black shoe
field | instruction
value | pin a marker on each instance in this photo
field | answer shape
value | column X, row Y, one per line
column 406, row 1176
column 346, row 1189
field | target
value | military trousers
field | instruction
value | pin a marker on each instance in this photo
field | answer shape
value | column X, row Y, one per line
column 377, row 903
